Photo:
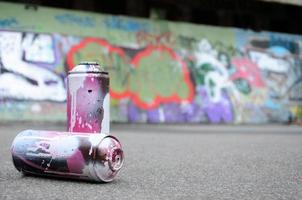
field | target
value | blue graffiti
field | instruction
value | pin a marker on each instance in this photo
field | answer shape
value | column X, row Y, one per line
column 8, row 22
column 285, row 43
column 126, row 25
column 279, row 51
column 87, row 22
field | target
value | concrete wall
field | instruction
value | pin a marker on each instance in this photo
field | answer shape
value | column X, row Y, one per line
column 160, row 71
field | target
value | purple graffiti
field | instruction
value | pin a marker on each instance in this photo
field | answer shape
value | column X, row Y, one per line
column 217, row 111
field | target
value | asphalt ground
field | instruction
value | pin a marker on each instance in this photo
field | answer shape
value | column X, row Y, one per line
column 176, row 162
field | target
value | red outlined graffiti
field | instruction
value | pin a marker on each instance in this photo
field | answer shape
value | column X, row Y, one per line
column 127, row 93
column 247, row 70
column 74, row 49
column 160, row 99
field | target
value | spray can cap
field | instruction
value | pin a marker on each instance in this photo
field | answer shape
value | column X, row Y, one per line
column 88, row 67
column 109, row 159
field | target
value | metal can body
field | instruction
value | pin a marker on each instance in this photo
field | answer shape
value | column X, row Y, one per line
column 95, row 157
column 88, row 100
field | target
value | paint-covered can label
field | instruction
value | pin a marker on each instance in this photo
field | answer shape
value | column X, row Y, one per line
column 96, row 157
column 88, row 100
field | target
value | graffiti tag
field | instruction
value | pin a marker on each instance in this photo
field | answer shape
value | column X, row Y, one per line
column 67, row 18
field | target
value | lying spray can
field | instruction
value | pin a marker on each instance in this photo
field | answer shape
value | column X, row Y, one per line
column 96, row 157
column 88, row 99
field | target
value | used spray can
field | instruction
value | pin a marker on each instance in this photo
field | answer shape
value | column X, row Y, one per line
column 88, row 100
column 96, row 157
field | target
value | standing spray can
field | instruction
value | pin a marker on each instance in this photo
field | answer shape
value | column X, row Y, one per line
column 88, row 100
column 96, row 157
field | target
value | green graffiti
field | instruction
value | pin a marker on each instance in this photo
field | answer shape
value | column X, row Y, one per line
column 243, row 86
column 157, row 73
column 119, row 73
column 200, row 73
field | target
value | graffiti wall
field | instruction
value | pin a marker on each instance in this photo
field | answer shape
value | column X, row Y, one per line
column 160, row 72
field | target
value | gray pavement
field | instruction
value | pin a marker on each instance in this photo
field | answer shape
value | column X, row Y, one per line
column 177, row 162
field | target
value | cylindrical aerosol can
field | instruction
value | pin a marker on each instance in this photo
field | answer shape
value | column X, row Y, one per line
column 88, row 100
column 96, row 157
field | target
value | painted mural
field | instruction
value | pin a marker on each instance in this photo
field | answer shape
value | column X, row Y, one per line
column 160, row 72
